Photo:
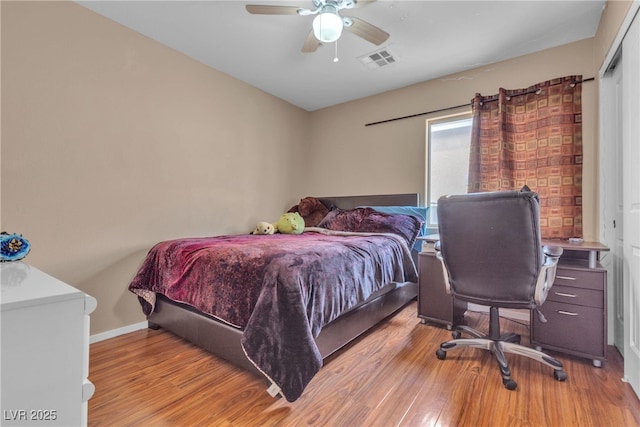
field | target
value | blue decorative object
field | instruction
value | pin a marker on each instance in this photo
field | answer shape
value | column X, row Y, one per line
column 13, row 247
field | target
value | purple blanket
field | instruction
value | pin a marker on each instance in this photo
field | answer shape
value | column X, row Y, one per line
column 280, row 289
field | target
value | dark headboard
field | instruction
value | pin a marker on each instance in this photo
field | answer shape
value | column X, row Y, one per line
column 350, row 202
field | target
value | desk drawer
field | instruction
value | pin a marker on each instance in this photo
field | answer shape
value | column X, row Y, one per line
column 591, row 279
column 571, row 327
column 576, row 296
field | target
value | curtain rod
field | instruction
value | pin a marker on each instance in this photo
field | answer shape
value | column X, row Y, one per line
column 441, row 110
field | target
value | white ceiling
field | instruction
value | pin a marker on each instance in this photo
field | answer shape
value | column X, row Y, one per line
column 429, row 39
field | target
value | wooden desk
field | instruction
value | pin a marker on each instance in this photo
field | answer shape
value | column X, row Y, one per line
column 576, row 307
column 581, row 250
column 434, row 304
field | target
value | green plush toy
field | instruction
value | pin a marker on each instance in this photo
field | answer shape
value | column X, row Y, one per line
column 290, row 223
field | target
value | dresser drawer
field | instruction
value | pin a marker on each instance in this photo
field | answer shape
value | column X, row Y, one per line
column 577, row 296
column 590, row 279
column 575, row 328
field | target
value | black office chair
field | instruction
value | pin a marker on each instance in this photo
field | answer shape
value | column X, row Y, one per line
column 491, row 252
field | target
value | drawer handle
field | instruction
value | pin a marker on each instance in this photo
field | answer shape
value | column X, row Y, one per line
column 565, row 277
column 567, row 313
column 562, row 294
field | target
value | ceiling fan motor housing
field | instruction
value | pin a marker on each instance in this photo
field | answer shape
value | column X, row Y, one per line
column 327, row 24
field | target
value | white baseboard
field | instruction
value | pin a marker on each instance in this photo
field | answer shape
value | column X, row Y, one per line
column 510, row 313
column 116, row 332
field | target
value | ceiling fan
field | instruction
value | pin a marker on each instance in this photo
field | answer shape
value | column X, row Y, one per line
column 328, row 24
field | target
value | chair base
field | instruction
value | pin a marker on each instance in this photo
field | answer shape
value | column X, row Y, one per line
column 499, row 345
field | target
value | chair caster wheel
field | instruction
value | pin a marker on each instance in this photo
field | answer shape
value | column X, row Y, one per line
column 560, row 375
column 440, row 354
column 456, row 334
column 509, row 384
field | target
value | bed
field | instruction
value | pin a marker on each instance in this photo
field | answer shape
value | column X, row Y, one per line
column 284, row 326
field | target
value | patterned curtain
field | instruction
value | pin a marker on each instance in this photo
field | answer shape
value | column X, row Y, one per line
column 533, row 137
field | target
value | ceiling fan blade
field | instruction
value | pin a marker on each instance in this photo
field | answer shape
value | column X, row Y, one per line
column 361, row 3
column 261, row 9
column 367, row 31
column 311, row 43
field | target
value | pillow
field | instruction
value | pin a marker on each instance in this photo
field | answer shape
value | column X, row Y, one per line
column 341, row 220
column 368, row 220
column 418, row 211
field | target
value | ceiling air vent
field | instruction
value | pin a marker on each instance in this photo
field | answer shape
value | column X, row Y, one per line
column 378, row 59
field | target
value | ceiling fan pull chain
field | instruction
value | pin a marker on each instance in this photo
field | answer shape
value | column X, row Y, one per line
column 336, row 59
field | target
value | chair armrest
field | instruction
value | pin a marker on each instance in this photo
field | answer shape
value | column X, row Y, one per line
column 547, row 273
column 552, row 251
column 445, row 273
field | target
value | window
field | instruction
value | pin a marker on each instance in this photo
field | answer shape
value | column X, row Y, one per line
column 448, row 141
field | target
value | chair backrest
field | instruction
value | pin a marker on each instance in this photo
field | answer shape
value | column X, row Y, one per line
column 491, row 246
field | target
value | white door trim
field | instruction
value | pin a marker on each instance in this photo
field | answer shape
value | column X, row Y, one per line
column 627, row 39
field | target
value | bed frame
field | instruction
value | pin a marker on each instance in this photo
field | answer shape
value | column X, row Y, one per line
column 224, row 340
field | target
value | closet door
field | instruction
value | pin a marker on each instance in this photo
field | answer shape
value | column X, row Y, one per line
column 611, row 197
column 620, row 189
column 631, row 202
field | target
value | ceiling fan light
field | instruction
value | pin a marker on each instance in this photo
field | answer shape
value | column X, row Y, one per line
column 327, row 27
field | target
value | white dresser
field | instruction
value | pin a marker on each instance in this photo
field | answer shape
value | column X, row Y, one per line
column 44, row 349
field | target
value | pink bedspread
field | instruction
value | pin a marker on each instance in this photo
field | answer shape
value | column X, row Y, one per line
column 280, row 289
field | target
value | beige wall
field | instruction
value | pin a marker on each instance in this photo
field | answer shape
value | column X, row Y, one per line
column 399, row 147
column 112, row 142
column 610, row 22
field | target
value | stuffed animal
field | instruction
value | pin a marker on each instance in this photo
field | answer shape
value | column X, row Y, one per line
column 312, row 210
column 290, row 223
column 264, row 228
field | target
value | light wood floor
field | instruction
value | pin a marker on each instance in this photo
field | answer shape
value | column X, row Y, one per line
column 389, row 377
